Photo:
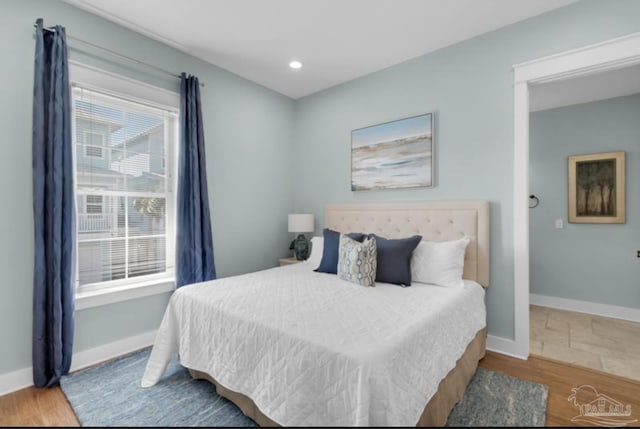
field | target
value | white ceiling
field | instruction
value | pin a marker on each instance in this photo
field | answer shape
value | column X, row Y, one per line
column 336, row 40
column 585, row 89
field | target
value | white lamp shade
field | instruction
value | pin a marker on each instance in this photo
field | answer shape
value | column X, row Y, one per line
column 301, row 222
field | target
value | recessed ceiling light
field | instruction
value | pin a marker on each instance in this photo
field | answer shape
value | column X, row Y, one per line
column 295, row 64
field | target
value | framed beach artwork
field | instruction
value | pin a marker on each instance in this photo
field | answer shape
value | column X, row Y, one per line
column 597, row 188
column 391, row 155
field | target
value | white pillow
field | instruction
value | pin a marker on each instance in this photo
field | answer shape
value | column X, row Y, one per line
column 439, row 262
column 317, row 244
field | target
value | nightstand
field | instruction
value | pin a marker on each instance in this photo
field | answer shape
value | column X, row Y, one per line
column 288, row 261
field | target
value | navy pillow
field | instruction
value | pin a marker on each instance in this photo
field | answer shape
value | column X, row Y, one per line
column 394, row 259
column 330, row 247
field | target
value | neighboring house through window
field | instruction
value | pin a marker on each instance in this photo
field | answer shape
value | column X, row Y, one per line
column 125, row 150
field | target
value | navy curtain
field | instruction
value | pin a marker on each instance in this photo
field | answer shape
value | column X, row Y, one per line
column 53, row 209
column 194, row 244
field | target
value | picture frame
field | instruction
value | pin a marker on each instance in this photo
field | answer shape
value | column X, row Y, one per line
column 393, row 155
column 597, row 188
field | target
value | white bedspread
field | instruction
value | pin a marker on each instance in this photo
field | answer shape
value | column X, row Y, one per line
column 313, row 350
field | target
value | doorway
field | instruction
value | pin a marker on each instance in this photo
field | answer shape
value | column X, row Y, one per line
column 584, row 273
column 614, row 54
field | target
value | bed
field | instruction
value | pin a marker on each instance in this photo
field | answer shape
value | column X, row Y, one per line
column 293, row 347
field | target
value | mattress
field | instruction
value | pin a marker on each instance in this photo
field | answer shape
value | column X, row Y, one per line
column 311, row 349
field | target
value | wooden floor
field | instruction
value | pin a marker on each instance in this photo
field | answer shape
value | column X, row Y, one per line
column 561, row 377
column 49, row 407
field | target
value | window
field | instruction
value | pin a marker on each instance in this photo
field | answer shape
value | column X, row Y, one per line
column 124, row 153
column 93, row 204
column 93, row 143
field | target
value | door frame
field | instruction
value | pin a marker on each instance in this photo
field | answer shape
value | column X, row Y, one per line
column 609, row 55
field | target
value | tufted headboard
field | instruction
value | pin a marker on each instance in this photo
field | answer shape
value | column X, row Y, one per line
column 435, row 221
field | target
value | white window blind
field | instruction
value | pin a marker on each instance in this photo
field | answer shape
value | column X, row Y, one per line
column 124, row 192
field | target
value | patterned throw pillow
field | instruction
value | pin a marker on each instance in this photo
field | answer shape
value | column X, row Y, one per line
column 357, row 261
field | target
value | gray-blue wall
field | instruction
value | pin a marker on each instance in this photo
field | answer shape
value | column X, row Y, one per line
column 587, row 262
column 248, row 132
column 469, row 86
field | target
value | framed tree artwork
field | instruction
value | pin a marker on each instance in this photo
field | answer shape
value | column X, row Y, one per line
column 597, row 188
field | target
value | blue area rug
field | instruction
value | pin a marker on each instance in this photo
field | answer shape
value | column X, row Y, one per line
column 110, row 395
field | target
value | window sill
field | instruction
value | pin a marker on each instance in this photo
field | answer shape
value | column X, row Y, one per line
column 85, row 300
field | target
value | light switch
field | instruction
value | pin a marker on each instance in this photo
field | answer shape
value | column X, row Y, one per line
column 559, row 224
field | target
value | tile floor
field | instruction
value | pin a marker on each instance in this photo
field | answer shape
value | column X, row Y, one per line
column 603, row 343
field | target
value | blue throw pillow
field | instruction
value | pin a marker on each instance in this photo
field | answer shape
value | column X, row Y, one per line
column 329, row 262
column 394, row 259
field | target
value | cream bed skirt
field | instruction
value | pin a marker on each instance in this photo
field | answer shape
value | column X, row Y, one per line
column 449, row 392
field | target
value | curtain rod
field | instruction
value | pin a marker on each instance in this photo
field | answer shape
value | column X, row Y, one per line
column 117, row 54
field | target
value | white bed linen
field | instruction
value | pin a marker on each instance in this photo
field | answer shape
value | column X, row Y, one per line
column 312, row 349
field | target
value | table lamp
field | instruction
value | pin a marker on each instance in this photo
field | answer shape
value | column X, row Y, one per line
column 300, row 223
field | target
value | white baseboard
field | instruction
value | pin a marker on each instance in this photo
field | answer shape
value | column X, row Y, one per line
column 606, row 310
column 108, row 351
column 503, row 346
column 16, row 380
